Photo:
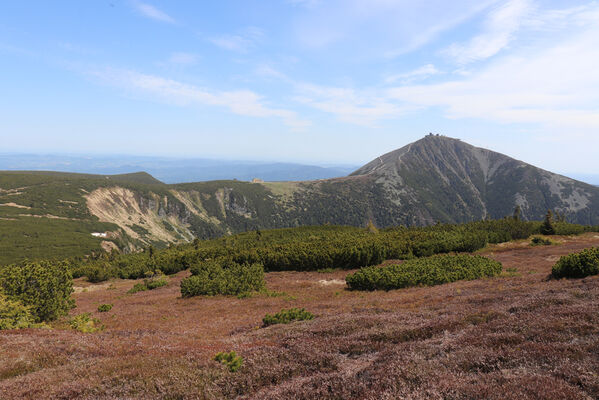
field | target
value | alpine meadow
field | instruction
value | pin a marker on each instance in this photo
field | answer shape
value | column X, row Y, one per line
column 299, row 199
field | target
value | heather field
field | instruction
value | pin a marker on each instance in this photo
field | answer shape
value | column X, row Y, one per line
column 516, row 336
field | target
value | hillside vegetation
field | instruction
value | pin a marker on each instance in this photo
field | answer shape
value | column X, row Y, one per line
column 436, row 179
column 315, row 248
column 516, row 336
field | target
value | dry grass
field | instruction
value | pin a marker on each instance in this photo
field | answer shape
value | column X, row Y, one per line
column 514, row 337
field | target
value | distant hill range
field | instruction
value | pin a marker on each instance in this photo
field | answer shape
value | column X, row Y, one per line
column 433, row 179
column 174, row 170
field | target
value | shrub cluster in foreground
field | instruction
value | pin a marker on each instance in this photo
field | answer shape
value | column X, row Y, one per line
column 223, row 276
column 43, row 288
column 577, row 265
column 14, row 315
column 427, row 271
column 286, row 316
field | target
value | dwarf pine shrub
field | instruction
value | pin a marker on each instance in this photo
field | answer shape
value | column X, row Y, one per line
column 104, row 307
column 427, row 271
column 14, row 315
column 231, row 360
column 286, row 316
column 577, row 265
column 153, row 281
column 44, row 287
column 85, row 323
column 540, row 241
column 223, row 276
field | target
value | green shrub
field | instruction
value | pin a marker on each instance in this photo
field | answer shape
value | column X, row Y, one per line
column 138, row 287
column 99, row 273
column 44, row 287
column 541, row 241
column 223, row 277
column 286, row 316
column 14, row 315
column 104, row 307
column 314, row 248
column 153, row 282
column 231, row 360
column 85, row 323
column 428, row 271
column 577, row 265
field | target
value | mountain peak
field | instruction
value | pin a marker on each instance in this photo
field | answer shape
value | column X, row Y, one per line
column 431, row 144
column 454, row 180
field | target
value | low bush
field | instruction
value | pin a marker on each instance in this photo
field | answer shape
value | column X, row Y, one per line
column 428, row 271
column 223, row 276
column 541, row 241
column 104, row 307
column 154, row 281
column 577, row 265
column 14, row 315
column 85, row 323
column 231, row 360
column 44, row 287
column 286, row 316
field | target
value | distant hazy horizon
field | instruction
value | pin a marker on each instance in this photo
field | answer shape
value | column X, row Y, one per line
column 179, row 170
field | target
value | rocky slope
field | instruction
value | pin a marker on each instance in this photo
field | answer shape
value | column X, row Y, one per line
column 449, row 180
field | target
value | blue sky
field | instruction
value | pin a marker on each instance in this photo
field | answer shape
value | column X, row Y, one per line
column 337, row 81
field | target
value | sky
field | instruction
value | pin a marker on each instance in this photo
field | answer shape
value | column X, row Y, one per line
column 337, row 81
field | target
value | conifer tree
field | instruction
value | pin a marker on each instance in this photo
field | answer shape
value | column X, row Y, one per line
column 517, row 213
column 547, row 228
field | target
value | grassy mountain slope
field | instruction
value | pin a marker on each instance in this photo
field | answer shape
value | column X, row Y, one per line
column 434, row 179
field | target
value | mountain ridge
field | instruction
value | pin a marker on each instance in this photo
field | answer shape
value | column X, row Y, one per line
column 435, row 179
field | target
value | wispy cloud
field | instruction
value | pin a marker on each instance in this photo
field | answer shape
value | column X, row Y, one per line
column 551, row 82
column 386, row 28
column 499, row 30
column 555, row 86
column 349, row 105
column 266, row 71
column 241, row 42
column 149, row 11
column 419, row 73
column 241, row 102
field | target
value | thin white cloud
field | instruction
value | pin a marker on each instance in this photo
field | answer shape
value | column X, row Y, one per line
column 555, row 86
column 499, row 30
column 348, row 105
column 242, row 42
column 552, row 82
column 423, row 35
column 149, row 11
column 241, row 102
column 419, row 73
column 267, row 71
column 384, row 28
